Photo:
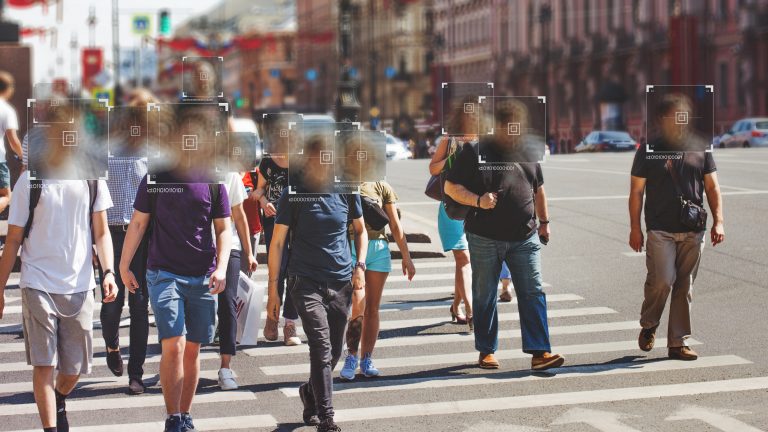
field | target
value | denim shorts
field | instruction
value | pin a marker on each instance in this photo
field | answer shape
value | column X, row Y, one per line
column 5, row 176
column 378, row 258
column 182, row 305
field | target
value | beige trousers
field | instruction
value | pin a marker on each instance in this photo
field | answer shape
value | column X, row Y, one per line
column 673, row 261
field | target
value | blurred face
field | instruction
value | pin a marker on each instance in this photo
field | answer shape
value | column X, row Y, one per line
column 671, row 129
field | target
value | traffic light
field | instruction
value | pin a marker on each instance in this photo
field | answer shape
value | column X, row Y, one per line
column 164, row 22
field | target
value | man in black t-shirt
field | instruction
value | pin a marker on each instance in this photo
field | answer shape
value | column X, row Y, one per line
column 673, row 251
column 506, row 198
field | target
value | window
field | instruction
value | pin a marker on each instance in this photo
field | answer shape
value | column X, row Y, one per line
column 564, row 19
column 561, row 108
column 741, row 96
column 723, row 90
column 611, row 8
column 531, row 23
column 636, row 11
column 587, row 13
column 722, row 9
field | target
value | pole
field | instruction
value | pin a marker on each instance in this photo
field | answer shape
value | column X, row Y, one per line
column 116, row 46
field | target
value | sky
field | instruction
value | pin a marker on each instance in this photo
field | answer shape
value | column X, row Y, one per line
column 50, row 62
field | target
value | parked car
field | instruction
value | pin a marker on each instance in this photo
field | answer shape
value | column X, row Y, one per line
column 603, row 141
column 396, row 149
column 749, row 132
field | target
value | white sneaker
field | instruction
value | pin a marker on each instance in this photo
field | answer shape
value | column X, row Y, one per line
column 227, row 379
column 289, row 335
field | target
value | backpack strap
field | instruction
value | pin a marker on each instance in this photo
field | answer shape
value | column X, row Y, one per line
column 35, row 189
column 93, row 186
column 213, row 189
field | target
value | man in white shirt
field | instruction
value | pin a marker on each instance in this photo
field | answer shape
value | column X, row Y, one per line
column 57, row 282
column 9, row 125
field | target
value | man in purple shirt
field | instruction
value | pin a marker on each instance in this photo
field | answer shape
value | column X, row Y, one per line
column 185, row 270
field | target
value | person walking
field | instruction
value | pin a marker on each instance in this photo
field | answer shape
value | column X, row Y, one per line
column 127, row 167
column 321, row 278
column 273, row 178
column 502, row 227
column 186, row 267
column 506, row 279
column 240, row 259
column 9, row 126
column 57, row 282
column 363, row 327
column 674, row 246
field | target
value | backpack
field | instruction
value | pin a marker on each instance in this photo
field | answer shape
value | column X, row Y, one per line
column 454, row 209
column 36, row 189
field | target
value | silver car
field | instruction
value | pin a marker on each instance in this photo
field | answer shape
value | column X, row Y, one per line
column 749, row 132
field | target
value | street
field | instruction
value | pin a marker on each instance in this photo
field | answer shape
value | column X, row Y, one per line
column 430, row 381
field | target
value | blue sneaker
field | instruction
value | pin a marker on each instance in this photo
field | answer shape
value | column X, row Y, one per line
column 350, row 367
column 186, row 423
column 173, row 424
column 367, row 367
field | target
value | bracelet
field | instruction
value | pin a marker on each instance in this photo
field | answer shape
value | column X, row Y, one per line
column 109, row 272
column 478, row 200
column 543, row 221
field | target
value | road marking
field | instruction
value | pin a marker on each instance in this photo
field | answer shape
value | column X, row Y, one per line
column 444, row 291
column 208, row 424
column 451, row 338
column 605, row 421
column 589, row 170
column 464, row 358
column 720, row 419
column 125, row 322
column 90, row 382
column 552, row 399
column 509, row 316
column 430, row 222
column 722, row 186
column 102, row 361
column 634, row 254
column 396, row 266
column 142, row 401
column 447, row 381
column 10, row 347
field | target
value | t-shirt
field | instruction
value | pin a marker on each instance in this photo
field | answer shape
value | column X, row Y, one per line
column 276, row 177
column 383, row 193
column 182, row 240
column 662, row 202
column 236, row 194
column 514, row 217
column 8, row 120
column 252, row 207
column 57, row 255
column 320, row 248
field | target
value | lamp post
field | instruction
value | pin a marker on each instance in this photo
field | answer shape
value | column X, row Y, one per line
column 347, row 104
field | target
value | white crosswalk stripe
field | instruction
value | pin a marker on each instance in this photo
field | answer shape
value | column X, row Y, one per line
column 207, row 424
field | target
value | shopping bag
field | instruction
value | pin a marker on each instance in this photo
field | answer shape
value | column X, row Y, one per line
column 248, row 306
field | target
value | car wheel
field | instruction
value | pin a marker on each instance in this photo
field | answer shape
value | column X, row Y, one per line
column 746, row 144
column 722, row 145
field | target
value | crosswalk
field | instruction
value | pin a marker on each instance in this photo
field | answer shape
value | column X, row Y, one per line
column 429, row 374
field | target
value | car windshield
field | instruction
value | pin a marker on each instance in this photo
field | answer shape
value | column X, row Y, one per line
column 615, row 136
column 761, row 125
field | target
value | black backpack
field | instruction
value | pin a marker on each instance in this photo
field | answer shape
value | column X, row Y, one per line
column 36, row 189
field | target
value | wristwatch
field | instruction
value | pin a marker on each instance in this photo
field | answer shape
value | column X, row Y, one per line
column 360, row 265
column 478, row 200
column 109, row 271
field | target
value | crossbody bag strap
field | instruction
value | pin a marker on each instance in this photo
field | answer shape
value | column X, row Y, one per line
column 669, row 166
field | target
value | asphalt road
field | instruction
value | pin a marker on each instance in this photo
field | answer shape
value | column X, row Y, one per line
column 430, row 382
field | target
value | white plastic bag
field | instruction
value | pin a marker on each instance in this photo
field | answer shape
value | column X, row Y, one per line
column 248, row 305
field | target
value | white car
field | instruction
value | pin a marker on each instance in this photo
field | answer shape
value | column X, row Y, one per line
column 396, row 149
column 748, row 132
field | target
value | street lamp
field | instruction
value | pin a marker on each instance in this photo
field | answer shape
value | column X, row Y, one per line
column 347, row 104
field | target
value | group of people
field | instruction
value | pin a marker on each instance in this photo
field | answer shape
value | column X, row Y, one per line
column 179, row 245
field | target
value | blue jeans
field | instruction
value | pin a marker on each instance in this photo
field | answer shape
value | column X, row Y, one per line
column 524, row 261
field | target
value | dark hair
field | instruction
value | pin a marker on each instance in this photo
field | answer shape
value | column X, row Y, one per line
column 6, row 81
column 670, row 102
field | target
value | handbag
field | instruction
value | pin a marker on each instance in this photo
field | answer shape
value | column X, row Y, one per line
column 373, row 214
column 435, row 183
column 248, row 305
column 692, row 215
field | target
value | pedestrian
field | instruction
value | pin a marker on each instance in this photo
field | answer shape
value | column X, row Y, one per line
column 502, row 227
column 674, row 182
column 321, row 278
column 127, row 166
column 240, row 259
column 273, row 178
column 57, row 282
column 451, row 231
column 186, row 267
column 363, row 327
column 9, row 126
column 506, row 279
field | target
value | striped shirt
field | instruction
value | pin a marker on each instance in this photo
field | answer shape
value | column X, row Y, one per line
column 125, row 174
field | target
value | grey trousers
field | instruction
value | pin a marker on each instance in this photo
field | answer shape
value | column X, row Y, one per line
column 673, row 261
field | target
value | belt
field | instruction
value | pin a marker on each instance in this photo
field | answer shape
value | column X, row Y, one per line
column 122, row 228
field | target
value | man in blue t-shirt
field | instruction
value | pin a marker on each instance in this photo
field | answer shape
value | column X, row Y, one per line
column 186, row 268
column 321, row 277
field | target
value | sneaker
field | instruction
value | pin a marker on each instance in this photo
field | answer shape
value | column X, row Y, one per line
column 227, row 379
column 647, row 338
column 488, row 361
column 547, row 361
column 186, row 423
column 328, row 425
column 367, row 367
column 135, row 386
column 173, row 424
column 682, row 353
column 350, row 367
column 310, row 411
column 115, row 362
column 506, row 296
column 270, row 330
column 289, row 334
column 62, row 423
